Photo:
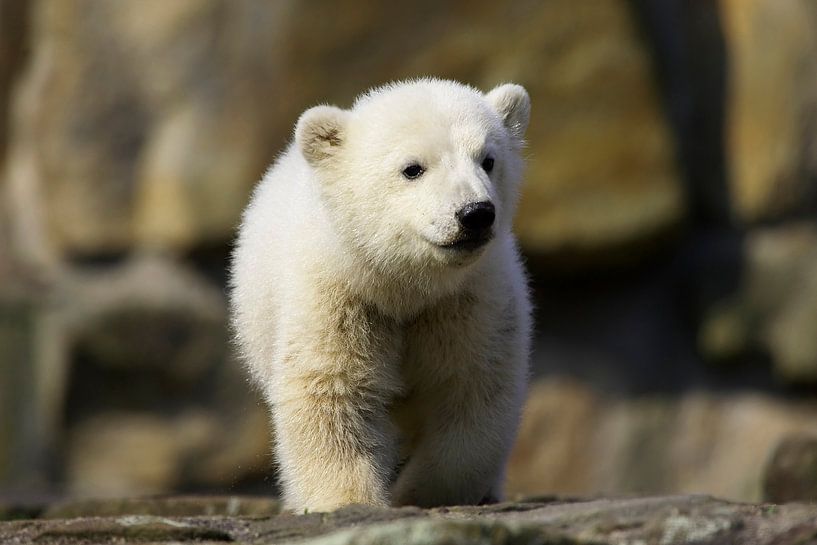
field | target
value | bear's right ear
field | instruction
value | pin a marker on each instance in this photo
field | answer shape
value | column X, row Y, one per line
column 512, row 103
column 320, row 132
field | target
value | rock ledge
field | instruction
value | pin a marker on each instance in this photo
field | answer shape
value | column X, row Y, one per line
column 637, row 521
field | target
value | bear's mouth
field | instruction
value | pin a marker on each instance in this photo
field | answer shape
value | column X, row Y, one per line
column 468, row 243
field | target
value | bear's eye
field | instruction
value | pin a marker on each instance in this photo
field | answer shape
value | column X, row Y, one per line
column 413, row 171
column 488, row 164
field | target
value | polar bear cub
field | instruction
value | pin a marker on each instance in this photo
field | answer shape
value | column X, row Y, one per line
column 379, row 301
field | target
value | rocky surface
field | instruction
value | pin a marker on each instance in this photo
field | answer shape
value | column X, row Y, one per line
column 637, row 521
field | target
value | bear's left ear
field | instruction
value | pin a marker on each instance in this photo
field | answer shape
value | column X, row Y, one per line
column 512, row 103
column 320, row 132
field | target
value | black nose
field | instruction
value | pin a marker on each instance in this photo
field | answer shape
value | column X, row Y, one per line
column 477, row 216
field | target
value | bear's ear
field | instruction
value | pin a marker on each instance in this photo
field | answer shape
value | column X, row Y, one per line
column 512, row 103
column 320, row 132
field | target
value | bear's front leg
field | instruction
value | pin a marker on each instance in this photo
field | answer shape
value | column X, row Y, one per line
column 460, row 456
column 334, row 442
column 467, row 370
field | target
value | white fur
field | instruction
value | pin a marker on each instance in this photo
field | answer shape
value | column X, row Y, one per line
column 373, row 345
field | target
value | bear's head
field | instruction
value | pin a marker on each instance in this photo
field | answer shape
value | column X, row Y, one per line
column 420, row 174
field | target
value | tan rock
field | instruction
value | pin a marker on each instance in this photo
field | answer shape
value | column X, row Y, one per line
column 771, row 105
column 107, row 84
column 194, row 177
column 135, row 453
column 33, row 356
column 722, row 444
column 791, row 474
column 792, row 335
column 148, row 313
column 551, row 454
column 239, row 451
column 92, row 339
column 112, row 455
column 140, row 125
column 602, row 169
column 774, row 309
column 576, row 441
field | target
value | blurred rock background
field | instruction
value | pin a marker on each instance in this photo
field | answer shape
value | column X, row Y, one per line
column 668, row 221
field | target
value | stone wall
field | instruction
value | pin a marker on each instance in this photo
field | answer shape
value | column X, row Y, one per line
column 668, row 220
